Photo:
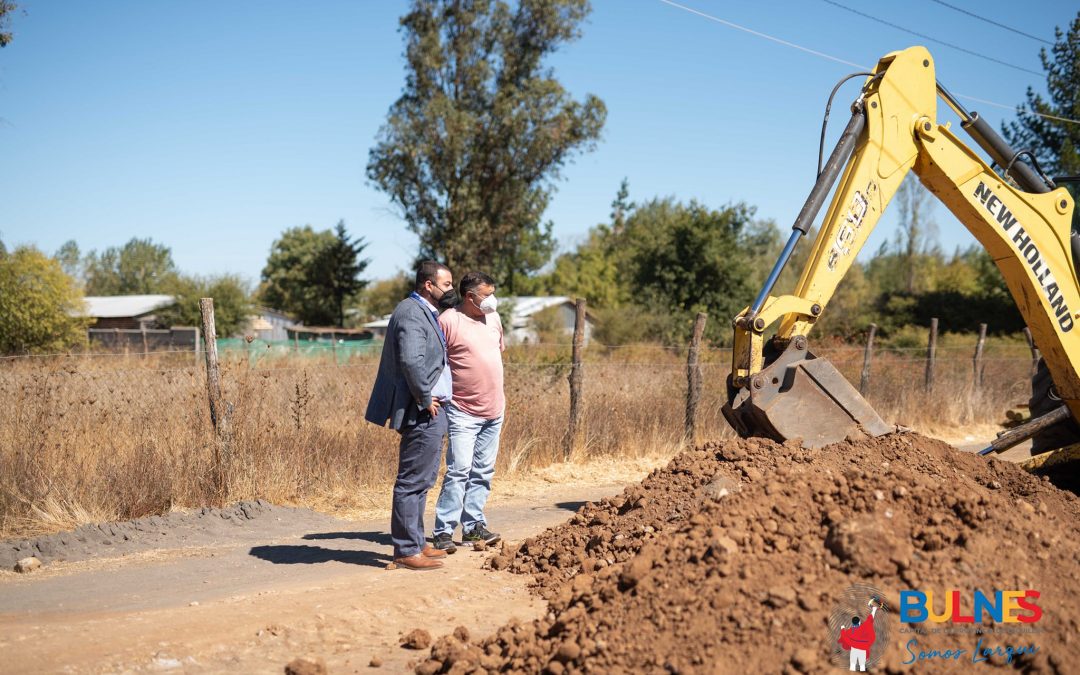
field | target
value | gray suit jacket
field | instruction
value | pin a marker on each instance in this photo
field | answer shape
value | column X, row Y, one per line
column 413, row 358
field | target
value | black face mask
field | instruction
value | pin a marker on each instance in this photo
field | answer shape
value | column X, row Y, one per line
column 448, row 299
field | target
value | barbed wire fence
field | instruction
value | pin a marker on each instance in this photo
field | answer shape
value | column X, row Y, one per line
column 638, row 385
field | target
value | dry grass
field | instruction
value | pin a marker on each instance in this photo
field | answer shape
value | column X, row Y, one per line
column 86, row 439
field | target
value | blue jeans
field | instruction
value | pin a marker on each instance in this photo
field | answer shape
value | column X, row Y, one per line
column 470, row 464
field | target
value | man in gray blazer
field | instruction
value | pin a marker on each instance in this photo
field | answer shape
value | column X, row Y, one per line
column 410, row 389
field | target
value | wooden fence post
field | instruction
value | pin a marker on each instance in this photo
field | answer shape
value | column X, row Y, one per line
column 1035, row 355
column 219, row 414
column 693, row 378
column 333, row 346
column 145, row 346
column 868, row 354
column 978, row 358
column 576, row 377
column 931, row 354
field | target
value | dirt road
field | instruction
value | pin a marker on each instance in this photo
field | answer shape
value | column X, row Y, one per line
column 260, row 595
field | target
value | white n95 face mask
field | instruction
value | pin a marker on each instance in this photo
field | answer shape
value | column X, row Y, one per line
column 489, row 304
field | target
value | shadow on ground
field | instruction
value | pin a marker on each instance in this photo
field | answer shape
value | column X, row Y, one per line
column 570, row 506
column 380, row 538
column 310, row 555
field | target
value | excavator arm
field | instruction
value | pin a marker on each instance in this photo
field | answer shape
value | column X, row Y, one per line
column 777, row 387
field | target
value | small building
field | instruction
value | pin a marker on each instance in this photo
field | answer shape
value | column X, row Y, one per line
column 523, row 317
column 125, row 312
column 271, row 325
column 130, row 322
column 378, row 327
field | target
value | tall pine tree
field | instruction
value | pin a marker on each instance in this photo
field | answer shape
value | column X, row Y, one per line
column 339, row 268
column 1055, row 142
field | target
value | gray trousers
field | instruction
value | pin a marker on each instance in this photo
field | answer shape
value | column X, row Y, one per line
column 418, row 467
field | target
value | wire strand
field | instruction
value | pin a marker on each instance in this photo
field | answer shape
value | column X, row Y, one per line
column 837, row 59
column 759, row 34
column 1017, row 109
column 924, row 36
column 992, row 22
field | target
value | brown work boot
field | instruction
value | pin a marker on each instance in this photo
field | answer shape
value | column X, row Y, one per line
column 418, row 562
column 432, row 552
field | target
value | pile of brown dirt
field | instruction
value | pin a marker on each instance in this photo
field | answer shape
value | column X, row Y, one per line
column 734, row 556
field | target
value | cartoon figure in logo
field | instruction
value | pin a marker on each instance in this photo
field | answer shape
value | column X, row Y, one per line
column 860, row 637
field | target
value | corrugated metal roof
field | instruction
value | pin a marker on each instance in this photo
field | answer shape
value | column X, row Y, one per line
column 116, row 306
column 526, row 305
column 380, row 323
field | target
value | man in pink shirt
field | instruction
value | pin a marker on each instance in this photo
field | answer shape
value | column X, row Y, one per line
column 474, row 346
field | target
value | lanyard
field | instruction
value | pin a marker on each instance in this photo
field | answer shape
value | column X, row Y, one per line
column 435, row 315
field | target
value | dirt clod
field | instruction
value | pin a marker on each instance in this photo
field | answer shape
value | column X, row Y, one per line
column 681, row 570
column 27, row 565
column 302, row 666
column 417, row 638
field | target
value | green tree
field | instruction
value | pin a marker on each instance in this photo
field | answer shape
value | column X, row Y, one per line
column 850, row 310
column 139, row 267
column 590, row 272
column 621, row 206
column 381, row 297
column 472, row 149
column 41, row 308
column 70, row 259
column 339, row 269
column 687, row 258
column 989, row 280
column 916, row 234
column 649, row 275
column 232, row 302
column 1055, row 142
column 312, row 275
column 7, row 8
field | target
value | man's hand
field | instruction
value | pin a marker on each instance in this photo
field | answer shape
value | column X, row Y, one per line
column 434, row 408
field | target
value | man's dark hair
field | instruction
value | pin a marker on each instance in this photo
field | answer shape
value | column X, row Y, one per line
column 855, row 621
column 426, row 272
column 474, row 280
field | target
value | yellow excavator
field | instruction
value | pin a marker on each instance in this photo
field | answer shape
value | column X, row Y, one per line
column 777, row 388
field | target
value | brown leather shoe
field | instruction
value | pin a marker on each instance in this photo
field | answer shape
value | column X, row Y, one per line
column 432, row 552
column 418, row 562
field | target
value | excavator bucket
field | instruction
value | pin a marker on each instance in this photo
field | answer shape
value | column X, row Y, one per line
column 801, row 396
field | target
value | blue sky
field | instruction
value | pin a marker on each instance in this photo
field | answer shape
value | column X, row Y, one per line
column 212, row 127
